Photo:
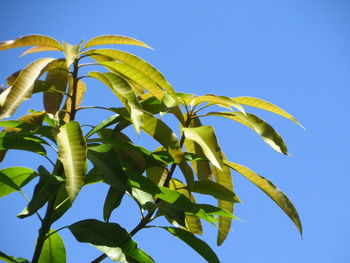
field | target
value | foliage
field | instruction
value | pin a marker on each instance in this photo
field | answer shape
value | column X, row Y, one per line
column 106, row 154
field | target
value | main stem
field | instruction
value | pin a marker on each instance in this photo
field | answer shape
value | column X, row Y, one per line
column 144, row 221
column 46, row 222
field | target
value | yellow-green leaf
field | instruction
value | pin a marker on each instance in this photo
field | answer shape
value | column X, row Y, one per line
column 23, row 86
column 265, row 105
column 39, row 49
column 205, row 137
column 53, row 250
column 31, row 40
column 72, row 154
column 114, row 40
column 71, row 52
column 271, row 190
column 222, row 101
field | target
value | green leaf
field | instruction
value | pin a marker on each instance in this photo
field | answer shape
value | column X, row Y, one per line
column 14, row 178
column 173, row 214
column 109, row 235
column 112, row 201
column 205, row 137
column 114, row 39
column 222, row 101
column 62, row 203
column 271, row 190
column 267, row 133
column 22, row 141
column 187, row 172
column 23, row 86
column 71, row 52
column 125, row 93
column 195, row 243
column 140, row 65
column 11, row 259
column 31, row 40
column 265, row 105
column 53, row 250
column 72, row 154
column 103, row 124
column 214, row 189
column 107, row 164
column 58, row 78
column 114, row 253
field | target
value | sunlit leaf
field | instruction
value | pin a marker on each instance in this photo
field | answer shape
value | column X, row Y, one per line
column 31, row 40
column 195, row 243
column 271, row 190
column 72, row 154
column 53, row 250
column 39, row 49
column 11, row 259
column 205, row 137
column 222, row 101
column 267, row 133
column 214, row 189
column 23, row 86
column 71, row 52
column 187, row 172
column 265, row 105
column 114, row 39
column 14, row 178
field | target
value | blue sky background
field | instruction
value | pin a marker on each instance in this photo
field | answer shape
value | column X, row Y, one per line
column 293, row 53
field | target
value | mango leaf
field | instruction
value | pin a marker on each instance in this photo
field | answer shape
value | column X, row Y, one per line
column 265, row 105
column 214, row 189
column 39, row 49
column 22, row 141
column 173, row 214
column 46, row 188
column 114, row 253
column 71, row 52
column 205, row 137
column 140, row 65
column 23, row 86
column 114, row 39
column 53, row 250
column 72, row 154
column 11, row 259
column 31, row 40
column 195, row 243
column 14, row 178
column 267, row 133
column 222, row 101
column 125, row 93
column 59, row 79
column 224, row 178
column 109, row 235
column 271, row 190
column 187, row 172
column 112, row 201
column 103, row 124
column 107, row 164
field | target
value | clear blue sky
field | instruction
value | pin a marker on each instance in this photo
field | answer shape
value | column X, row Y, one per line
column 293, row 53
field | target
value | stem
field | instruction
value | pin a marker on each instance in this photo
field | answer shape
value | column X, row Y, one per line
column 75, row 88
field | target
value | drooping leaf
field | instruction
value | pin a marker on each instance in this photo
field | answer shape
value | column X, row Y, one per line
column 39, row 49
column 267, row 133
column 187, row 172
column 195, row 243
column 265, row 105
column 71, row 52
column 173, row 214
column 22, row 141
column 62, row 203
column 114, row 40
column 214, row 189
column 125, row 93
column 205, row 137
column 31, row 40
column 271, row 190
column 109, row 235
column 53, row 250
column 11, row 259
column 112, row 201
column 222, row 101
column 103, row 124
column 23, row 86
column 72, row 154
column 14, row 178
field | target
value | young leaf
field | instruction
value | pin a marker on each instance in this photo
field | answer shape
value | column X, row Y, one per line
column 23, row 86
column 112, row 201
column 265, row 105
column 71, row 52
column 267, row 133
column 14, row 178
column 114, row 40
column 53, row 250
column 39, row 49
column 72, row 154
column 222, row 101
column 271, row 190
column 197, row 244
column 31, row 40
column 214, row 189
column 206, row 138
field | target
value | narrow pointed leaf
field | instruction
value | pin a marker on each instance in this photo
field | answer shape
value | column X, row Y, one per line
column 265, row 105
column 39, row 49
column 222, row 101
column 72, row 154
column 267, row 133
column 112, row 201
column 11, row 259
column 114, row 39
column 31, row 40
column 195, row 243
column 271, row 190
column 23, row 87
column 53, row 250
column 206, row 138
column 187, row 172
column 71, row 52
column 103, row 124
column 214, row 189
